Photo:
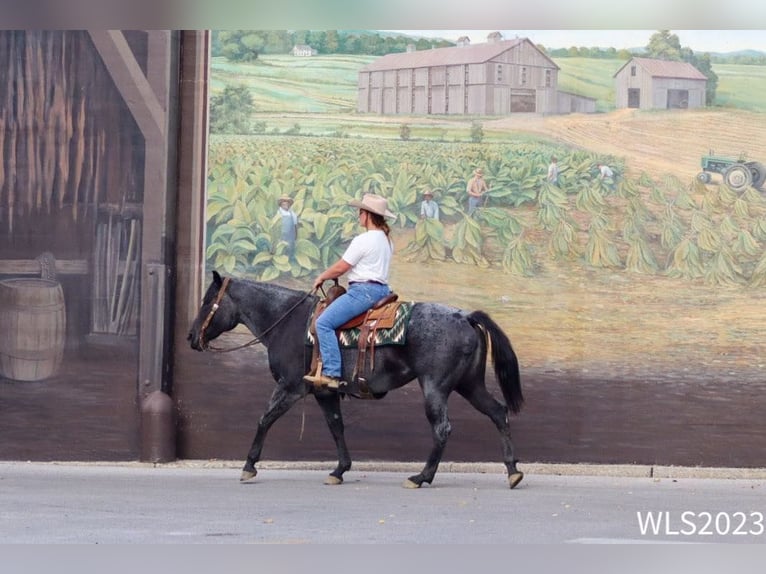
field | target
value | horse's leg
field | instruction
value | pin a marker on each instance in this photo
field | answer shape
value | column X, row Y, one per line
column 484, row 402
column 330, row 405
column 436, row 412
column 280, row 402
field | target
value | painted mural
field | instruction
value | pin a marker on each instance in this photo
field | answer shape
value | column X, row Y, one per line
column 618, row 237
column 71, row 222
column 622, row 236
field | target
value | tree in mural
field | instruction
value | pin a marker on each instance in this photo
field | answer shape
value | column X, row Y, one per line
column 231, row 110
column 666, row 46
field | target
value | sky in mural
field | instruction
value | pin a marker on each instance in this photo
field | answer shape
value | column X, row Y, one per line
column 697, row 40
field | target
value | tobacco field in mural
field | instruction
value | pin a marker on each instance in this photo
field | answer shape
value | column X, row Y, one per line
column 640, row 224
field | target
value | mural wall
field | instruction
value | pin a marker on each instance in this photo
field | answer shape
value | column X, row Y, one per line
column 628, row 279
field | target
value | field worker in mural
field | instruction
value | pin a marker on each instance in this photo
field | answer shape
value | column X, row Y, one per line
column 366, row 260
column 289, row 223
column 476, row 189
column 606, row 174
column 553, row 171
column 429, row 209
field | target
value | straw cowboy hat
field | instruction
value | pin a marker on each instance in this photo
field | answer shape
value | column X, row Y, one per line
column 478, row 171
column 374, row 204
column 285, row 198
column 428, row 192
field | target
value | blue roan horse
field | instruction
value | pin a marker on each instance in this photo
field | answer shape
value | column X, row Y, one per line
column 445, row 350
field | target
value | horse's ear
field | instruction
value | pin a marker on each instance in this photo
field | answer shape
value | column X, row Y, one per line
column 217, row 278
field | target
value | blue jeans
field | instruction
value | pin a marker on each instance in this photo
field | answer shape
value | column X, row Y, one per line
column 359, row 298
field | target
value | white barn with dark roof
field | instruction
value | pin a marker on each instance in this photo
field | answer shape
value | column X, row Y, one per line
column 646, row 84
column 499, row 77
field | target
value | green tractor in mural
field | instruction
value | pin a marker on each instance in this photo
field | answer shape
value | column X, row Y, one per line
column 738, row 173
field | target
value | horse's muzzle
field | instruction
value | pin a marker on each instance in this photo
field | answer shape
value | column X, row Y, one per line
column 195, row 342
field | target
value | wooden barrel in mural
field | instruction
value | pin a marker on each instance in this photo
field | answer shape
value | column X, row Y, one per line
column 32, row 328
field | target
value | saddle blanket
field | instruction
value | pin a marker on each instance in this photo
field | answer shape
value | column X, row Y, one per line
column 396, row 335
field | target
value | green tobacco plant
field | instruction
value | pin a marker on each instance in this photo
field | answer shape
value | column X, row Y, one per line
column 562, row 240
column 723, row 268
column 628, row 190
column 590, row 198
column 509, row 231
column 514, row 184
column 684, row 201
column 600, row 250
column 428, row 242
column 758, row 277
column 686, row 261
column 517, row 258
column 467, row 243
column 222, row 198
column 552, row 205
column 402, row 199
column 758, row 228
column 742, row 207
column 230, row 248
column 746, row 245
column 639, row 258
column 671, row 228
column 578, row 171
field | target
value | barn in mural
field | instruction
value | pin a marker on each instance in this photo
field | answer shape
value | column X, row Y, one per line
column 647, row 84
column 497, row 77
column 629, row 301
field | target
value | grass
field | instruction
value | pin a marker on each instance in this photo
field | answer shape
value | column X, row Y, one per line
column 589, row 77
column 320, row 84
column 741, row 86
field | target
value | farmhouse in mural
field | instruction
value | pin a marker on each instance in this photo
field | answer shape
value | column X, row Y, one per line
column 498, row 77
column 647, row 84
column 303, row 50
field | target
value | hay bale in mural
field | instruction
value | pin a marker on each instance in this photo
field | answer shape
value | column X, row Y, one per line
column 32, row 328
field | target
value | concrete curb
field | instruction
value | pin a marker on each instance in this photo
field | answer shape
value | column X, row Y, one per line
column 562, row 469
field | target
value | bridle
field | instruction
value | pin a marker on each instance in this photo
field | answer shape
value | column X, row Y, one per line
column 257, row 339
column 213, row 309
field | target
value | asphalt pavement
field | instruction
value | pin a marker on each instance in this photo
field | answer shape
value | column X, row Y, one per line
column 199, row 503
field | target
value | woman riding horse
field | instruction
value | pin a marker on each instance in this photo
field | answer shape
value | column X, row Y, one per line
column 366, row 261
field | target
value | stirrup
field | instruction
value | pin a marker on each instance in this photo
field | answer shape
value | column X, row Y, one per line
column 323, row 381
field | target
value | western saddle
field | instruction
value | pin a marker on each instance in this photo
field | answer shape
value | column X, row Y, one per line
column 382, row 315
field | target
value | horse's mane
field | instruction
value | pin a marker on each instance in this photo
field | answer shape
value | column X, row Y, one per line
column 272, row 291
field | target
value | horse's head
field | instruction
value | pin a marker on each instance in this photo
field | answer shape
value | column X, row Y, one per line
column 217, row 314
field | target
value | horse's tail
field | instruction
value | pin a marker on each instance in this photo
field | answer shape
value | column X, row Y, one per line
column 504, row 359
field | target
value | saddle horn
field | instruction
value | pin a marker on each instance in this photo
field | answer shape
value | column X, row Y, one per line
column 321, row 287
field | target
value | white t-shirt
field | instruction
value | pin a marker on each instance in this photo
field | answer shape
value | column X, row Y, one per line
column 369, row 256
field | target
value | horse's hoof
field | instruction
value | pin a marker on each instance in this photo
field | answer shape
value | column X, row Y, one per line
column 333, row 480
column 515, row 478
column 410, row 484
column 247, row 475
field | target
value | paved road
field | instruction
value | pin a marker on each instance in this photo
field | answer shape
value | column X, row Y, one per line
column 80, row 503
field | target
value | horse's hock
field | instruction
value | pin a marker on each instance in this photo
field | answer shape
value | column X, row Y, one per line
column 32, row 328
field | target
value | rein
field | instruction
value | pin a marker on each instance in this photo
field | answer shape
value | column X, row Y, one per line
column 257, row 339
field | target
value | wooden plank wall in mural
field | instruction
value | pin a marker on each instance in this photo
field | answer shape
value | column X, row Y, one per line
column 71, row 192
column 70, row 169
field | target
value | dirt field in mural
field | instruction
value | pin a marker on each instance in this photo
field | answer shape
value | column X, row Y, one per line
column 656, row 142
